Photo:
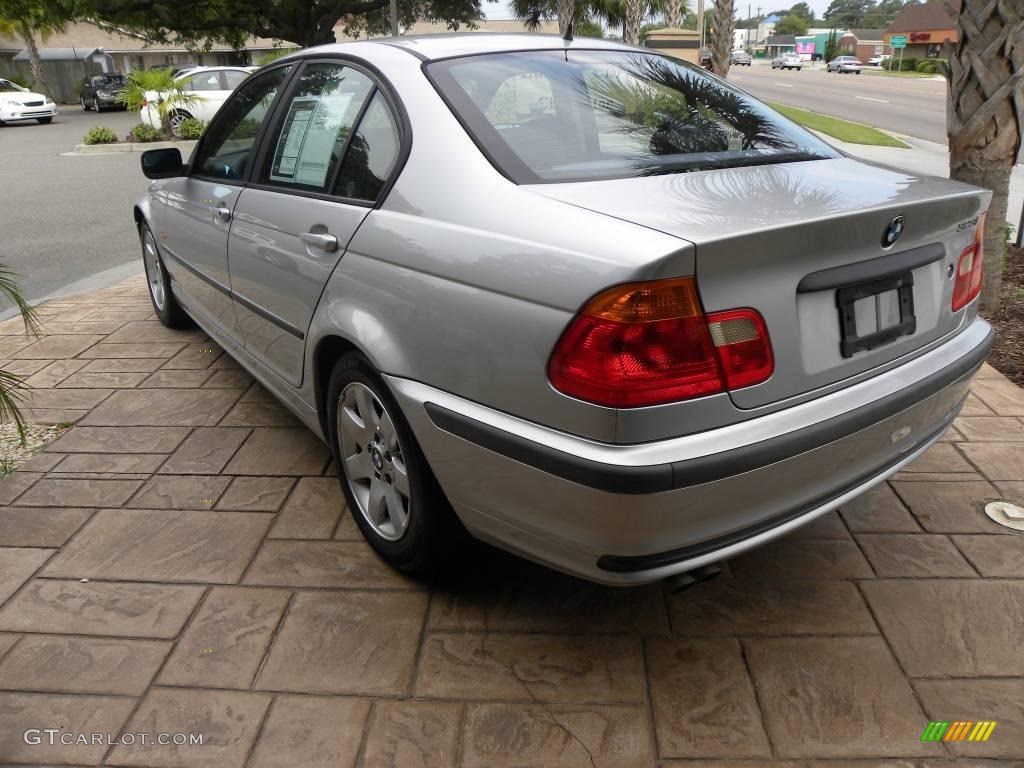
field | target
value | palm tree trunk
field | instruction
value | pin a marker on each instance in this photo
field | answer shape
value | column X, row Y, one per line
column 673, row 13
column 566, row 11
column 632, row 21
column 985, row 115
column 721, row 37
column 25, row 30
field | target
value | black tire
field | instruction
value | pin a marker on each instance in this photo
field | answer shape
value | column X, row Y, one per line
column 44, row 120
column 433, row 534
column 171, row 313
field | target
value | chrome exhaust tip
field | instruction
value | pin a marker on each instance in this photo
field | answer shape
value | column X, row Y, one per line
column 684, row 581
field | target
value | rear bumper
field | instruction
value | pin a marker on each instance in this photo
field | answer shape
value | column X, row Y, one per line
column 626, row 514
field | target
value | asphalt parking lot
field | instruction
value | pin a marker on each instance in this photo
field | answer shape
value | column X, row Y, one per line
column 72, row 214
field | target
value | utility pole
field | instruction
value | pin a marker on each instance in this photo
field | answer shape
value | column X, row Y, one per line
column 394, row 18
column 700, row 20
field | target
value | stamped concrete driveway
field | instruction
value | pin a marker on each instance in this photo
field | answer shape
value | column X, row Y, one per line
column 180, row 561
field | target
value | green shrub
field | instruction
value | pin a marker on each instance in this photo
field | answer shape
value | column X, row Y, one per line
column 191, row 128
column 927, row 66
column 100, row 134
column 24, row 82
column 143, row 132
column 908, row 64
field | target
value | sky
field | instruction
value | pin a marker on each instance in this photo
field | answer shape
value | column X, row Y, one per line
column 500, row 10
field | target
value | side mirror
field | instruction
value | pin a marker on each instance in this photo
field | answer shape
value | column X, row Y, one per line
column 162, row 163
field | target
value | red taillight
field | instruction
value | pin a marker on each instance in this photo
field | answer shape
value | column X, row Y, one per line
column 649, row 343
column 145, row 102
column 968, row 270
column 744, row 351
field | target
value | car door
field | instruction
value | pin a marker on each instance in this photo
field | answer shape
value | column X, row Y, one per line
column 199, row 205
column 324, row 164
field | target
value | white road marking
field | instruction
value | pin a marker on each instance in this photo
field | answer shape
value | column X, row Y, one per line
column 784, row 85
column 868, row 98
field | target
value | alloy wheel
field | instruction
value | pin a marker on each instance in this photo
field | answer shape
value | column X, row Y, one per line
column 374, row 459
column 176, row 120
column 154, row 271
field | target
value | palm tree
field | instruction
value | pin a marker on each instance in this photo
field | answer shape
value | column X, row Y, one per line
column 721, row 37
column 985, row 115
column 12, row 386
column 169, row 96
column 674, row 12
column 532, row 12
column 34, row 23
column 629, row 14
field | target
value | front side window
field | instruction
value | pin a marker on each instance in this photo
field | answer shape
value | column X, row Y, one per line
column 315, row 123
column 228, row 144
column 371, row 154
column 551, row 116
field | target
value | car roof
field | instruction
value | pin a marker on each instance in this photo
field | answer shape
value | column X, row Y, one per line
column 443, row 46
column 198, row 70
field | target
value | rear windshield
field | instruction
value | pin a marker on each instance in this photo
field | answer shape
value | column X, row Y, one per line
column 554, row 116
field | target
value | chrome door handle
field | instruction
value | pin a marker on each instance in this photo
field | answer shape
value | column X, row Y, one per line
column 319, row 240
column 222, row 213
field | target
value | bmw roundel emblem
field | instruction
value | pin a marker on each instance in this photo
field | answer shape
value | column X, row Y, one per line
column 892, row 232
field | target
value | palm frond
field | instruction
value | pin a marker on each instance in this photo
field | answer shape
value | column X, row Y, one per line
column 9, row 288
column 12, row 397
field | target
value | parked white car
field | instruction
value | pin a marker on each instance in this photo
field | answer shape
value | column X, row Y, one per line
column 211, row 85
column 18, row 104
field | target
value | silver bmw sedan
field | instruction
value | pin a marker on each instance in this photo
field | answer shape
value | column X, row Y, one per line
column 582, row 301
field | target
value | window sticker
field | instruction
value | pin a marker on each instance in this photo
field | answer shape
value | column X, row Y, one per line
column 311, row 130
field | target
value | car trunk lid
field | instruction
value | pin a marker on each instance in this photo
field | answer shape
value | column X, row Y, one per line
column 796, row 240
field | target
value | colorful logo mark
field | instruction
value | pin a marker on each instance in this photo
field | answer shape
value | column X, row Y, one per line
column 959, row 730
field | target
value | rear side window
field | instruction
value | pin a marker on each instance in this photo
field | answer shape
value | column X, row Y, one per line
column 234, row 78
column 314, row 127
column 371, row 154
column 554, row 116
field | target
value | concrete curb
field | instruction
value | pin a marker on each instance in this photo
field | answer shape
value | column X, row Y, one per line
column 137, row 146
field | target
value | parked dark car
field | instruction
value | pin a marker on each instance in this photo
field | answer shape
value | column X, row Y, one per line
column 100, row 92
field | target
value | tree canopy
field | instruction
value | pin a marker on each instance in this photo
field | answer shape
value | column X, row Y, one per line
column 302, row 22
column 864, row 13
column 792, row 24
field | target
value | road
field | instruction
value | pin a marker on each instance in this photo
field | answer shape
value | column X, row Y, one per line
column 65, row 219
column 914, row 106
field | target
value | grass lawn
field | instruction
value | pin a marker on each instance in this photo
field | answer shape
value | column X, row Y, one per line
column 844, row 130
column 887, row 73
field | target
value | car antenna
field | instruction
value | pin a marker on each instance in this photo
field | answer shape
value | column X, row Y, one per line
column 568, row 32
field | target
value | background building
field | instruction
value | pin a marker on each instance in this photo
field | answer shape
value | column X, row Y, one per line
column 926, row 27
column 862, row 43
